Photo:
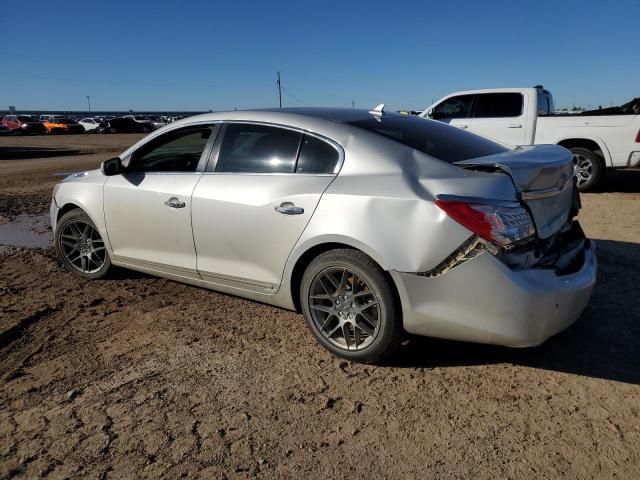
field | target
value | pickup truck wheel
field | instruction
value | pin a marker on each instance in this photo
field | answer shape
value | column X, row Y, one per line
column 589, row 168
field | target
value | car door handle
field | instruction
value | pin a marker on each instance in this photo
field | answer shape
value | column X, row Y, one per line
column 288, row 208
column 174, row 202
column 462, row 126
column 515, row 125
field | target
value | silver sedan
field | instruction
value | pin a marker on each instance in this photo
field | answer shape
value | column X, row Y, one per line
column 371, row 224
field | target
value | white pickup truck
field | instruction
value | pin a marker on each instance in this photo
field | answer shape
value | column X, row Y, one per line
column 599, row 139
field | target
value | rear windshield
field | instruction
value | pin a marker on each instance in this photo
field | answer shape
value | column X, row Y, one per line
column 433, row 138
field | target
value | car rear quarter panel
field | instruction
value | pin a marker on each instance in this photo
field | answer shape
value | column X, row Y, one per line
column 389, row 212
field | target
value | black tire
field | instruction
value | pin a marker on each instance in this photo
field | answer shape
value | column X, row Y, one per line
column 388, row 332
column 73, row 217
column 590, row 168
column 145, row 130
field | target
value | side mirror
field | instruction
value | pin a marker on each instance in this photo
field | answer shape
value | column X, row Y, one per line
column 112, row 167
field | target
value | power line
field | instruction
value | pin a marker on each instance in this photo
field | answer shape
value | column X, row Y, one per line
column 295, row 98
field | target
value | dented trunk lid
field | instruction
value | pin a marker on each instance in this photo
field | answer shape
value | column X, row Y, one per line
column 543, row 177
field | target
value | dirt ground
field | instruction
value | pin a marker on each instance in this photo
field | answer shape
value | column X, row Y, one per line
column 138, row 377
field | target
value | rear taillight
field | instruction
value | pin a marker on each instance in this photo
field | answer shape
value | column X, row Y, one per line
column 497, row 223
column 638, row 137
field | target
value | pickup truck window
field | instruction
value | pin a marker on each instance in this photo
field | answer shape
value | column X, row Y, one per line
column 498, row 105
column 544, row 105
column 454, row 107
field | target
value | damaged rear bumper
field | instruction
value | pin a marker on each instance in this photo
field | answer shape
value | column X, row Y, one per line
column 485, row 301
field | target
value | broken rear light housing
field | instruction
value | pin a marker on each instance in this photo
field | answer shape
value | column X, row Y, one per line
column 503, row 223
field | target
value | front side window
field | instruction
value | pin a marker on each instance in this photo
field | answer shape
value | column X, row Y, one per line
column 316, row 156
column 177, row 151
column 248, row 148
column 498, row 105
column 454, row 107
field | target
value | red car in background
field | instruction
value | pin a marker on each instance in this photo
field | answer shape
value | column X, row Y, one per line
column 23, row 124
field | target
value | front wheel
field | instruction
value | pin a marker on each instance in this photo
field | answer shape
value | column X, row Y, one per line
column 589, row 168
column 80, row 247
column 349, row 306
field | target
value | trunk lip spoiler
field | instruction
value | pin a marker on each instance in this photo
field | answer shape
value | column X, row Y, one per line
column 563, row 183
column 478, row 200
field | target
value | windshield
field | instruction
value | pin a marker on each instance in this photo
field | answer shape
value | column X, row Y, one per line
column 433, row 138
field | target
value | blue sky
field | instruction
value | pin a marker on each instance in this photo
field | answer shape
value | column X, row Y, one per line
column 201, row 55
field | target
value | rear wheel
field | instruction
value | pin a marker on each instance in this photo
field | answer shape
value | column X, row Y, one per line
column 589, row 168
column 349, row 306
column 80, row 247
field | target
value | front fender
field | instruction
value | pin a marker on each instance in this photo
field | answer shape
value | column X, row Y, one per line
column 86, row 194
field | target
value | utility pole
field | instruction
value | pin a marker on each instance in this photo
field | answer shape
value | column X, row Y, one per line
column 353, row 104
column 89, row 102
column 279, row 89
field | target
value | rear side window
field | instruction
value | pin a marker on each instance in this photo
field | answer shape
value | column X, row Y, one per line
column 454, row 107
column 497, row 105
column 248, row 148
column 433, row 138
column 316, row 156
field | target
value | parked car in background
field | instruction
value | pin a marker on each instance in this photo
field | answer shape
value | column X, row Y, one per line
column 23, row 124
column 145, row 118
column 598, row 139
column 126, row 125
column 51, row 118
column 62, row 125
column 4, row 130
column 157, row 121
column 90, row 124
column 366, row 222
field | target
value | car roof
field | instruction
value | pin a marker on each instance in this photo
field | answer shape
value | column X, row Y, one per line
column 327, row 122
column 294, row 116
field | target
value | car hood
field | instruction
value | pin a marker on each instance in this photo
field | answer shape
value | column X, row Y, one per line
column 89, row 175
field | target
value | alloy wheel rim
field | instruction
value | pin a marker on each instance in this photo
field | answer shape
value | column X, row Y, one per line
column 344, row 308
column 82, row 246
column 584, row 168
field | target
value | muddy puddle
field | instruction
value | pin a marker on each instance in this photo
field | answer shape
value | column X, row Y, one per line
column 32, row 231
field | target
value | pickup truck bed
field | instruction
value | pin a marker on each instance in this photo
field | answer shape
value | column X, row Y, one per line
column 599, row 139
